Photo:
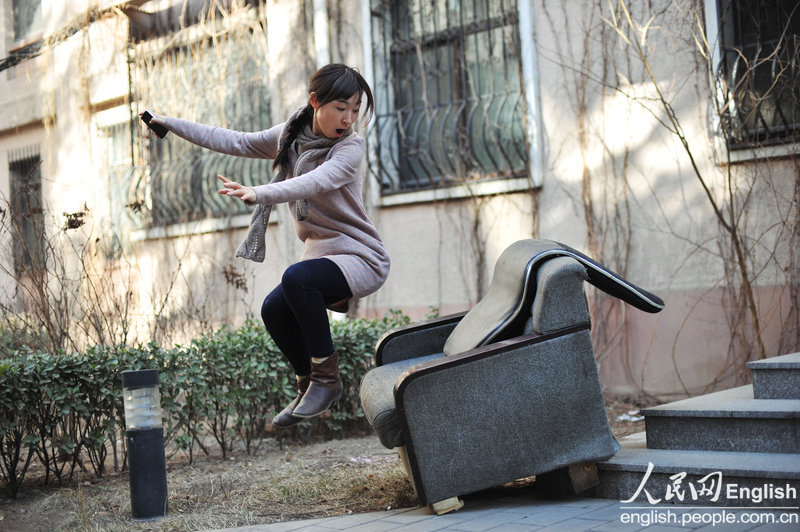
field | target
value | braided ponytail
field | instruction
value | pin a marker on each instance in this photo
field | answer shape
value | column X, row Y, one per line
column 294, row 127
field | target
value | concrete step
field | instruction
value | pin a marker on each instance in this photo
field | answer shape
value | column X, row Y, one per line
column 727, row 421
column 699, row 478
column 777, row 377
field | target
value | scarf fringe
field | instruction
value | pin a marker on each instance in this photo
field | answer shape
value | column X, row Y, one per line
column 311, row 148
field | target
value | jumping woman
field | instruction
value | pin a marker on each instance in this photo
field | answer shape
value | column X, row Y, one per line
column 317, row 158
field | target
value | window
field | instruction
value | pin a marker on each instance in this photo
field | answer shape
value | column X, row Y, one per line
column 220, row 82
column 27, row 219
column 758, row 75
column 450, row 106
column 27, row 18
column 120, row 171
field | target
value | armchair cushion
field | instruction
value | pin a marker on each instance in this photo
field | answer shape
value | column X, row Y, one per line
column 377, row 398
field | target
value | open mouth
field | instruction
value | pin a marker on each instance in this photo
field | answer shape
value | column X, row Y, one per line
column 340, row 131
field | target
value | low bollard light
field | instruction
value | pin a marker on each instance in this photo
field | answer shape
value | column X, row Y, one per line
column 144, row 435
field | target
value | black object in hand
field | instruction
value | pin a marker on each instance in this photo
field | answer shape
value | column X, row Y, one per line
column 158, row 129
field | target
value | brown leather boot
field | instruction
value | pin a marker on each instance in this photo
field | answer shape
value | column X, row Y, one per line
column 285, row 417
column 325, row 389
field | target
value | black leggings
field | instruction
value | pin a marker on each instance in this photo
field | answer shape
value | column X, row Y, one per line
column 295, row 312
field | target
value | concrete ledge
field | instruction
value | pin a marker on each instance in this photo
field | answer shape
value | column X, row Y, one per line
column 786, row 361
column 777, row 377
column 761, row 474
column 762, row 465
column 727, row 421
column 734, row 403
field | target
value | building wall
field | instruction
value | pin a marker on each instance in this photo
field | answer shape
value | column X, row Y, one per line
column 647, row 202
column 615, row 184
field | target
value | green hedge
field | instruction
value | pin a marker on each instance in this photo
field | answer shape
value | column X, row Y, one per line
column 65, row 411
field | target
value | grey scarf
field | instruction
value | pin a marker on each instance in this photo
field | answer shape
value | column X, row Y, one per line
column 311, row 148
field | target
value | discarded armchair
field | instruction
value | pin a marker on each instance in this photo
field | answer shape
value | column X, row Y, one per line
column 507, row 390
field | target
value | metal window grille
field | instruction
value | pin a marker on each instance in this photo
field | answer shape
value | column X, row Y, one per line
column 759, row 71
column 27, row 220
column 450, row 106
column 221, row 82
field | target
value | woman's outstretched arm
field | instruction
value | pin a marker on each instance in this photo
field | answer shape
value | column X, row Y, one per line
column 259, row 145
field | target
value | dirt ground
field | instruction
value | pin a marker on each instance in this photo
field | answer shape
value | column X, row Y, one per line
column 297, row 482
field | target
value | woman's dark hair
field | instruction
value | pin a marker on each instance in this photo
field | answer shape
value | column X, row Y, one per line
column 331, row 82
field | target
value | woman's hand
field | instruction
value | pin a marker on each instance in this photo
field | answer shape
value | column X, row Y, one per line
column 232, row 188
column 155, row 124
column 155, row 119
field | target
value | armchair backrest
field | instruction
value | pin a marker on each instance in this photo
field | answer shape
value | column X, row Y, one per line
column 552, row 299
column 515, row 287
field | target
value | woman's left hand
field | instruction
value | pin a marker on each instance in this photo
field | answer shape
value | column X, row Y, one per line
column 232, row 188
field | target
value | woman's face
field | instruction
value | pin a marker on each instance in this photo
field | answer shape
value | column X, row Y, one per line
column 333, row 118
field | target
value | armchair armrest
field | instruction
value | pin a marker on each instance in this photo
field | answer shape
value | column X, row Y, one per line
column 415, row 340
column 491, row 350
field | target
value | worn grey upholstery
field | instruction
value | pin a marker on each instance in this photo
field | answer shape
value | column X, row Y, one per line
column 519, row 413
column 517, row 392
column 378, row 401
column 560, row 300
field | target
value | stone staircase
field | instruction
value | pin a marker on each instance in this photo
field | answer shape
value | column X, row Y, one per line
column 738, row 447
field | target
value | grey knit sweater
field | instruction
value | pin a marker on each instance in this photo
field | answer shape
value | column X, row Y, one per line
column 338, row 227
